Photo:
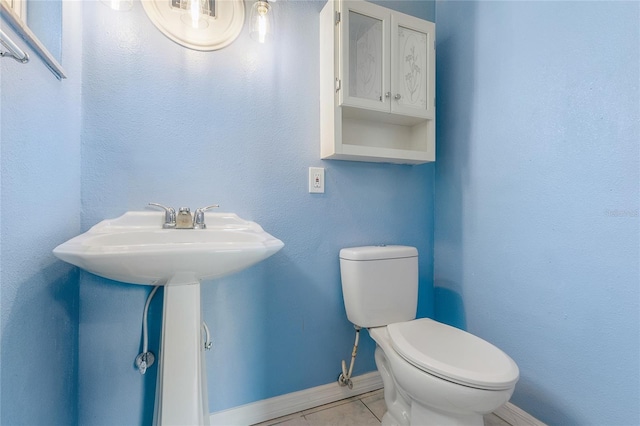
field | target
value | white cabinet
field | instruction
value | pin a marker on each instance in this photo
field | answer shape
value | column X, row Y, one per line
column 377, row 71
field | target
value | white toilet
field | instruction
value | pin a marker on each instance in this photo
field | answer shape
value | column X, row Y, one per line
column 433, row 374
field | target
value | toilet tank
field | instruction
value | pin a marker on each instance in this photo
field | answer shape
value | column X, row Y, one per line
column 379, row 284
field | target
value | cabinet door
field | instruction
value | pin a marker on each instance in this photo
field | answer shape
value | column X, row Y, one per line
column 364, row 65
column 412, row 66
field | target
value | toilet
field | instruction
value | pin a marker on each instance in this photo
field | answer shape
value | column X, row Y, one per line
column 433, row 374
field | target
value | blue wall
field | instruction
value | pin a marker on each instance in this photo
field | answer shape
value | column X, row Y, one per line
column 537, row 197
column 238, row 127
column 40, row 208
column 536, row 241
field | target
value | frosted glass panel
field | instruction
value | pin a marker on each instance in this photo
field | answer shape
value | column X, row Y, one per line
column 412, row 67
column 365, row 57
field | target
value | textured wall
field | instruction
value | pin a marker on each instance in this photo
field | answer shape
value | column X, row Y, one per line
column 238, row 127
column 536, row 228
column 40, row 208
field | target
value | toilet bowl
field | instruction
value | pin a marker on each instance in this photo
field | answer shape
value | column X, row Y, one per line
column 443, row 390
column 433, row 374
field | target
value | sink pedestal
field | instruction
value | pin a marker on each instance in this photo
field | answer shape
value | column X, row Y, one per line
column 181, row 389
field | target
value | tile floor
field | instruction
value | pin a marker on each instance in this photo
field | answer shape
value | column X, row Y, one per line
column 362, row 410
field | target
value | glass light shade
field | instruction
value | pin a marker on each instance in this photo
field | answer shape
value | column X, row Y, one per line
column 120, row 5
column 195, row 13
column 261, row 21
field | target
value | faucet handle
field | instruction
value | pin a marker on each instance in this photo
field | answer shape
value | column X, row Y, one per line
column 198, row 217
column 169, row 216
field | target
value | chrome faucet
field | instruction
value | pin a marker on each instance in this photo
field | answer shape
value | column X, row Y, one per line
column 198, row 218
column 184, row 219
column 169, row 216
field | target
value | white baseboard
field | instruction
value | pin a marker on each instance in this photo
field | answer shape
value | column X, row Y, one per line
column 267, row 409
column 517, row 417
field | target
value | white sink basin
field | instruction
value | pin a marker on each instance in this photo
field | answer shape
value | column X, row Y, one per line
column 134, row 248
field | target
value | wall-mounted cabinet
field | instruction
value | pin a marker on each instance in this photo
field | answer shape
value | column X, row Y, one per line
column 377, row 88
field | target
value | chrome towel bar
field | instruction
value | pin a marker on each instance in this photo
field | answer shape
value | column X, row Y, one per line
column 13, row 50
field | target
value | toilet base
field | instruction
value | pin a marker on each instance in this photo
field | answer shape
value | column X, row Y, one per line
column 423, row 416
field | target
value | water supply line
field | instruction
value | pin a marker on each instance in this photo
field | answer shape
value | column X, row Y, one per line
column 207, row 339
column 146, row 358
column 344, row 379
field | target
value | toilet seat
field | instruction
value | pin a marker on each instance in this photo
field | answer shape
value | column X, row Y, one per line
column 453, row 354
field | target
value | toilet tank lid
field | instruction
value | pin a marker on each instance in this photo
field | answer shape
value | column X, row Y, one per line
column 378, row 252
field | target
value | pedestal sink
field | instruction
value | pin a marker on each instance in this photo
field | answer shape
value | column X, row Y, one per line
column 134, row 248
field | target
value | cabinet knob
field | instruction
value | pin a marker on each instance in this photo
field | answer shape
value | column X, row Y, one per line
column 387, row 95
column 397, row 97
